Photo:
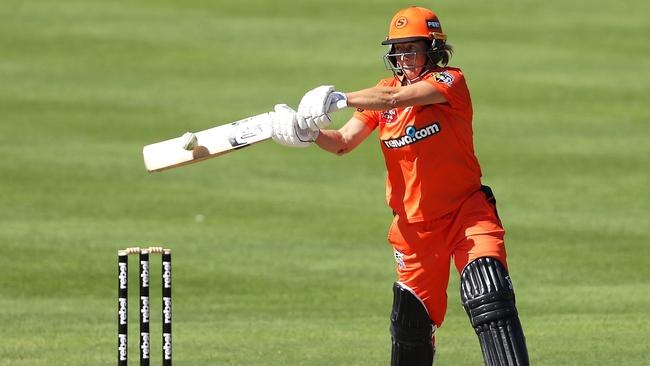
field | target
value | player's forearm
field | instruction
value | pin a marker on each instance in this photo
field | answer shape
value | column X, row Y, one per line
column 332, row 141
column 376, row 98
column 381, row 98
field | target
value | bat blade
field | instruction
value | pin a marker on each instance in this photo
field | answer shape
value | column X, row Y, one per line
column 212, row 142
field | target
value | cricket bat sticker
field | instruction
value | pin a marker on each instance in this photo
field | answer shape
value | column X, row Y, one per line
column 249, row 131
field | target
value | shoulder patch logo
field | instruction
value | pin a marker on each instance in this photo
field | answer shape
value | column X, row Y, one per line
column 443, row 77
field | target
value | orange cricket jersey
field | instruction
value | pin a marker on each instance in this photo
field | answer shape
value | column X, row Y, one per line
column 429, row 149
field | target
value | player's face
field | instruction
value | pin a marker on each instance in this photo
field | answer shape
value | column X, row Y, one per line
column 411, row 57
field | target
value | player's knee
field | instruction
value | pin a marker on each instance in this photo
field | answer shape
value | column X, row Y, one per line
column 411, row 330
column 486, row 291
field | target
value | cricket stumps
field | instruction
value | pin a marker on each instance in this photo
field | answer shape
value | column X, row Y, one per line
column 123, row 304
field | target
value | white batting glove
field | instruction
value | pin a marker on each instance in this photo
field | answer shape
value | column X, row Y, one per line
column 313, row 108
column 286, row 130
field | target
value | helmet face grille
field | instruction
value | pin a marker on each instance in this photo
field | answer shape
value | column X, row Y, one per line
column 408, row 62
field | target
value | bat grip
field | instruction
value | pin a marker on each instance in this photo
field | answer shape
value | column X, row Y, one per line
column 338, row 101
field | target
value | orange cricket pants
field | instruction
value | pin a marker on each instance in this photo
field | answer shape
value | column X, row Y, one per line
column 423, row 250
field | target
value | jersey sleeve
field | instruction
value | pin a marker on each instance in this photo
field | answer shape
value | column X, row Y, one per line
column 368, row 117
column 451, row 83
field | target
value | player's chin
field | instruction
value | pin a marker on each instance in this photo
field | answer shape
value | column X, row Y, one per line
column 411, row 74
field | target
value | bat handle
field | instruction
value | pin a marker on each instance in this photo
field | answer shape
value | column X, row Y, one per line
column 338, row 101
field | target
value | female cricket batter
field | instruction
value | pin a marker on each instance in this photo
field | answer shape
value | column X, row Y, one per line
column 442, row 212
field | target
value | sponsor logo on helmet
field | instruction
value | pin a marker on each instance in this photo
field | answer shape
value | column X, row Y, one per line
column 443, row 77
column 412, row 135
column 401, row 22
column 433, row 24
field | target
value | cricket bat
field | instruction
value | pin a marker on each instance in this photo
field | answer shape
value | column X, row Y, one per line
column 216, row 141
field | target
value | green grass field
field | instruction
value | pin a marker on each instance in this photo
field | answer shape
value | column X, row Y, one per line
column 290, row 265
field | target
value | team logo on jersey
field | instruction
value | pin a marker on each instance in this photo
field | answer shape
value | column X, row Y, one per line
column 412, row 135
column 443, row 77
column 399, row 258
column 389, row 115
